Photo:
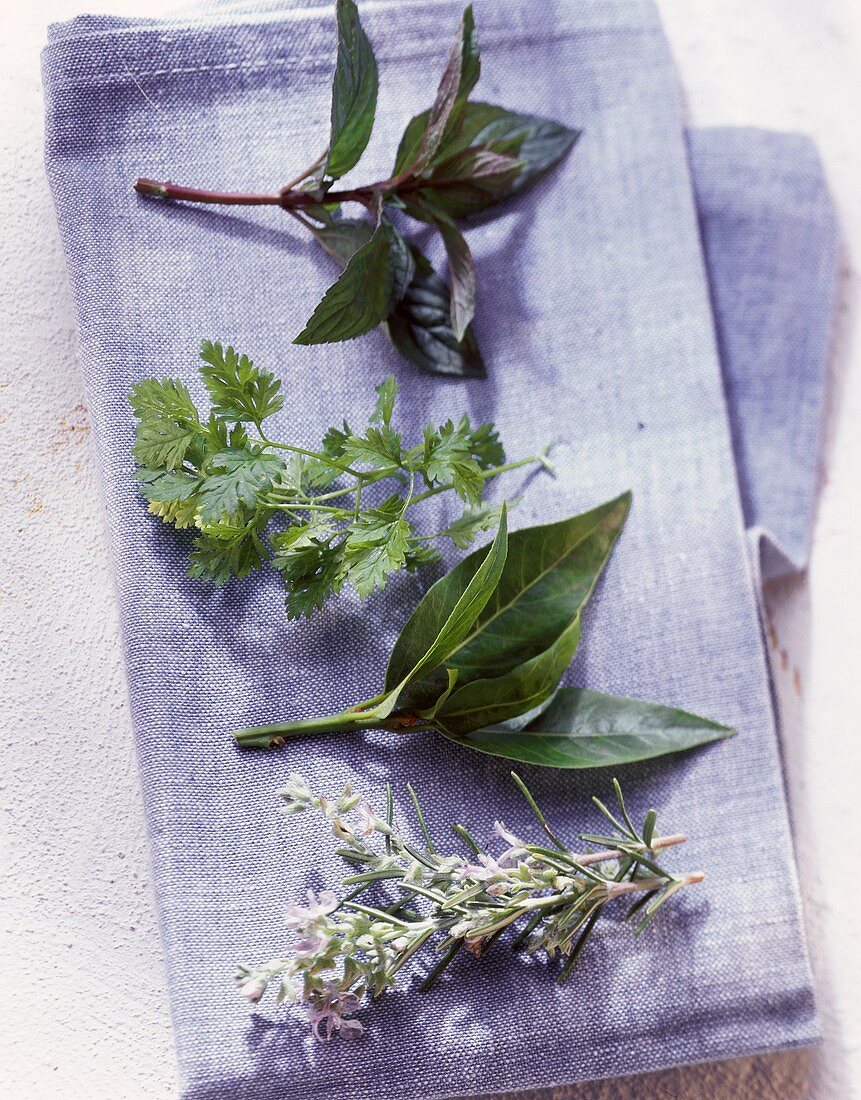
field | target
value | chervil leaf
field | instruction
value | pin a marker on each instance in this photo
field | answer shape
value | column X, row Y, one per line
column 376, row 545
column 311, row 567
column 242, row 475
column 420, row 327
column 466, row 528
column 239, row 391
column 379, row 446
column 354, row 93
column 163, row 399
column 162, row 443
column 387, row 392
column 168, row 422
column 448, row 460
column 172, row 495
column 360, row 299
column 461, row 73
column 485, row 446
column 225, row 551
column 419, row 555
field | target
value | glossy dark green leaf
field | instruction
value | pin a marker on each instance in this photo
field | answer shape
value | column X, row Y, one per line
column 461, row 73
column 466, row 183
column 420, row 327
column 484, row 702
column 549, row 574
column 461, row 277
column 354, row 93
column 536, row 143
column 446, row 614
column 360, row 299
column 343, row 238
column 587, row 729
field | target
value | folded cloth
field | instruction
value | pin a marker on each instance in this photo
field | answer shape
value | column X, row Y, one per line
column 595, row 319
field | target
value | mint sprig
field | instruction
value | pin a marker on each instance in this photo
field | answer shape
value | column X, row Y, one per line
column 340, row 514
column 456, row 159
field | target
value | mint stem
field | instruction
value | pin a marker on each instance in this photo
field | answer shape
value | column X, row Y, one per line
column 288, row 197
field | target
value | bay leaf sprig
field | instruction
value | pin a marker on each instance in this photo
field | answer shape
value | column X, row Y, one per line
column 338, row 514
column 456, row 159
column 480, row 660
column 406, row 897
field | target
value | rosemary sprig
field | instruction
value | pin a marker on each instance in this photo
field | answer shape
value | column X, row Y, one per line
column 345, row 949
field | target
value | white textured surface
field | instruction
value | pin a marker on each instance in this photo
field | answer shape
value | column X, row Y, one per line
column 83, row 1002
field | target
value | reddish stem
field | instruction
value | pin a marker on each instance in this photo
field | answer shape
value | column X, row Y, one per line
column 288, row 199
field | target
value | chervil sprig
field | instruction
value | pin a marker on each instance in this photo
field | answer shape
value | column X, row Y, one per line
column 415, row 898
column 456, row 159
column 338, row 514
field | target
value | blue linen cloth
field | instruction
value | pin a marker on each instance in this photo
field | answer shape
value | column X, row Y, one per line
column 596, row 321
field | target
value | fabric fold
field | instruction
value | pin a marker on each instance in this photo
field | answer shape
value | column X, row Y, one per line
column 595, row 318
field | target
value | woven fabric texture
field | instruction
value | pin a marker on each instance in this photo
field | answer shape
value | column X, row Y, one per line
column 596, row 321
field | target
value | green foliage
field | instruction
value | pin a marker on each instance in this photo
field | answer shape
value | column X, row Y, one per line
column 360, row 299
column 587, row 729
column 318, row 516
column 417, row 897
column 238, row 390
column 354, row 93
column 480, row 659
column 455, row 159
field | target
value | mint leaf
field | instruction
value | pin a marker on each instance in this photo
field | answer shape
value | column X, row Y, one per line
column 420, row 327
column 344, row 237
column 239, row 391
column 538, row 143
column 354, row 93
column 243, row 475
column 466, row 183
column 461, row 73
column 461, row 275
column 359, row 300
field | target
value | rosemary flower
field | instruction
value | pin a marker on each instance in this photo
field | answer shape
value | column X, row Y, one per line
column 345, row 949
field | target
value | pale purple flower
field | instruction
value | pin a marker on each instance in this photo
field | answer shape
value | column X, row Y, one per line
column 297, row 915
column 329, row 1010
column 510, row 839
column 367, row 818
column 486, row 870
column 253, row 989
